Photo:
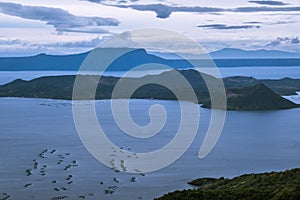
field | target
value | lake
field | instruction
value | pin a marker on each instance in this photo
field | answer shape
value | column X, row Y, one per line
column 251, row 142
column 256, row 72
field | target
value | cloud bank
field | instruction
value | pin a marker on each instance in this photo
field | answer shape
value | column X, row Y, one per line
column 22, row 47
column 164, row 11
column 271, row 3
column 227, row 27
column 266, row 9
column 60, row 19
column 284, row 41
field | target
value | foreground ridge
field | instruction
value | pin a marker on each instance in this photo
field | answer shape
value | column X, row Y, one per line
column 267, row 186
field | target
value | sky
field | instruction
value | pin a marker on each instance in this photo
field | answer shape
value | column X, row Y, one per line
column 29, row 27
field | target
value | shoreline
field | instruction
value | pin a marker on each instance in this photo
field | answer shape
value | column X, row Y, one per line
column 268, row 185
column 242, row 93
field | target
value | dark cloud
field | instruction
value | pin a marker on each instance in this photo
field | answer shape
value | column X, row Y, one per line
column 164, row 11
column 295, row 40
column 277, row 42
column 271, row 3
column 161, row 10
column 271, row 23
column 62, row 20
column 284, row 41
column 226, row 27
column 252, row 22
column 266, row 9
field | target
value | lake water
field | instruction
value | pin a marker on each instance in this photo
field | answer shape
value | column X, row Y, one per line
column 294, row 98
column 256, row 72
column 251, row 142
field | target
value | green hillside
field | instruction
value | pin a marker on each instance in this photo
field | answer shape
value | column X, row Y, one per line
column 267, row 186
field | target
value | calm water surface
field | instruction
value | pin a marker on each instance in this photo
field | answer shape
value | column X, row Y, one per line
column 250, row 142
column 256, row 72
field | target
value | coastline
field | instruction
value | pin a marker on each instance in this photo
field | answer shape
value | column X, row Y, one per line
column 267, row 186
column 242, row 93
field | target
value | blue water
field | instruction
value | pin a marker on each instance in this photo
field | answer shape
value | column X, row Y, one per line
column 251, row 142
column 256, row 72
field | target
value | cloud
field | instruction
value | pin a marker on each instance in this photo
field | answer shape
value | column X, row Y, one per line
column 271, row 3
column 284, row 41
column 86, row 30
column 10, row 42
column 92, row 43
column 266, row 9
column 226, row 27
column 295, row 40
column 60, row 19
column 21, row 47
column 164, row 11
column 271, row 23
column 252, row 22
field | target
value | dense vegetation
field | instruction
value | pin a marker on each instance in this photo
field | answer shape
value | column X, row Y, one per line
column 257, row 97
column 243, row 93
column 267, row 186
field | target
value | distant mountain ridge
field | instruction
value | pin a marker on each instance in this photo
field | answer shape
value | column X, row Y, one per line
column 261, row 53
column 133, row 58
column 42, row 62
column 222, row 58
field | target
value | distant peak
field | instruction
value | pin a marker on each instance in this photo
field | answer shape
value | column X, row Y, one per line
column 231, row 49
column 41, row 54
column 258, row 53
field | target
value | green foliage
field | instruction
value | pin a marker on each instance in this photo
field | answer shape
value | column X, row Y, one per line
column 267, row 186
column 249, row 93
